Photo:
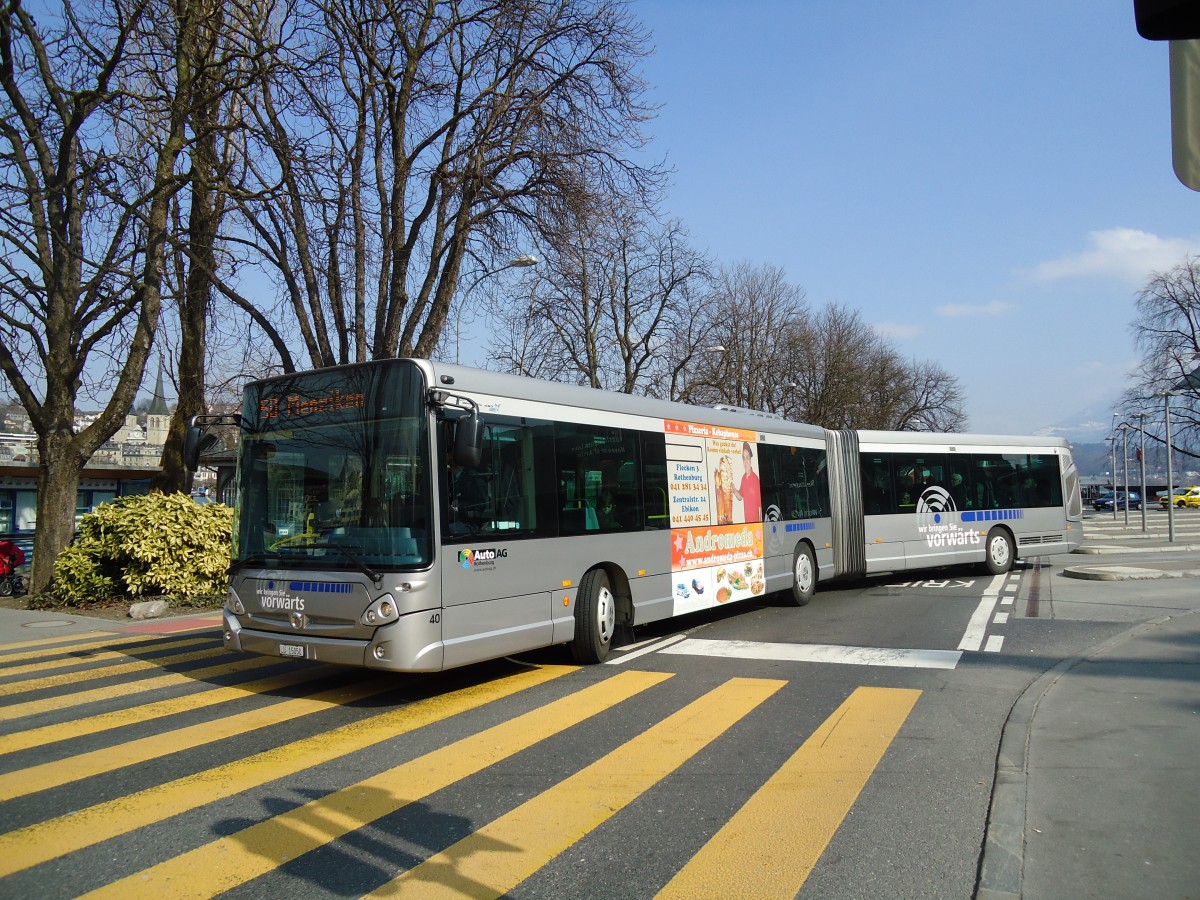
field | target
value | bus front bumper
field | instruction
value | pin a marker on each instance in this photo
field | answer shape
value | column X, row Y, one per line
column 386, row 650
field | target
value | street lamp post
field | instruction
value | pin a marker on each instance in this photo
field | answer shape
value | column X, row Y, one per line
column 1190, row 381
column 1125, row 468
column 1112, row 455
column 1170, row 472
column 520, row 262
column 1142, row 460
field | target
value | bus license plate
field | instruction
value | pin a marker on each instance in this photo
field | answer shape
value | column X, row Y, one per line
column 295, row 651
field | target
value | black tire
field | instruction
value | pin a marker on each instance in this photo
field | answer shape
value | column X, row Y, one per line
column 998, row 551
column 6, row 587
column 804, row 576
column 595, row 618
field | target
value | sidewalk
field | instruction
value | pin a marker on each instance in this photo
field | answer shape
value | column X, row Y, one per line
column 1098, row 767
column 34, row 624
column 1098, row 773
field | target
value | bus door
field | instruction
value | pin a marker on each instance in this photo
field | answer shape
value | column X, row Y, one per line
column 494, row 597
column 884, row 527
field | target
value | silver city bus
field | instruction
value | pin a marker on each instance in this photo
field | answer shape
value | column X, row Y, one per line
column 414, row 516
column 938, row 499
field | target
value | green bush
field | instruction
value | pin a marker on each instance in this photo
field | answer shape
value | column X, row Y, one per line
column 146, row 546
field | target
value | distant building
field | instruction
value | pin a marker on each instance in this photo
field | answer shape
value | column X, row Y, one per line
column 123, row 465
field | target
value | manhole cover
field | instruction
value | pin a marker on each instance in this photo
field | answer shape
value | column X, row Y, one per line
column 46, row 624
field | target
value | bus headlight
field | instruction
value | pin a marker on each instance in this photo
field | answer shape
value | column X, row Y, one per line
column 234, row 605
column 380, row 612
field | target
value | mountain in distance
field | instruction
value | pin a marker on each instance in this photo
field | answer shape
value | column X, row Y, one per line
column 1087, row 431
column 1090, row 425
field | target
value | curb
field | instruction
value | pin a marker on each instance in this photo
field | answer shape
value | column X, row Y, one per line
column 1125, row 573
column 1092, row 550
column 1002, row 861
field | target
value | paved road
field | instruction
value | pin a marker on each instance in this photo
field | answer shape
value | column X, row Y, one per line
column 848, row 749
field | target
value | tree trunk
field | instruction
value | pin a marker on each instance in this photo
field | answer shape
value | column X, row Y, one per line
column 58, row 485
column 203, row 221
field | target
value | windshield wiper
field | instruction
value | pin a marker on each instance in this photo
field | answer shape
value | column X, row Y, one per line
column 353, row 557
column 238, row 564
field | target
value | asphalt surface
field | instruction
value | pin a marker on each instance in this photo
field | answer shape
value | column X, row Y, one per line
column 1100, row 752
column 1097, row 753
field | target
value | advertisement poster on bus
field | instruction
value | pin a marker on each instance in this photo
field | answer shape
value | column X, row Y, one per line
column 716, row 515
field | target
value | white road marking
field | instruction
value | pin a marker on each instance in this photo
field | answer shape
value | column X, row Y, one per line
column 994, row 643
column 819, row 653
column 1001, row 618
column 972, row 638
column 650, row 647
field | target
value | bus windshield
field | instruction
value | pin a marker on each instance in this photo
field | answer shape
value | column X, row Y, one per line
column 334, row 471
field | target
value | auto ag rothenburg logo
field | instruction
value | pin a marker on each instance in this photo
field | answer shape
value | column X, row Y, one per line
column 475, row 559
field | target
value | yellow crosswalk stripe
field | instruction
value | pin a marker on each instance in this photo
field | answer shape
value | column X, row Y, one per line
column 130, row 690
column 234, row 860
column 499, row 856
column 108, row 759
column 35, row 844
column 72, row 678
column 43, row 647
column 148, row 712
column 773, row 842
column 99, row 656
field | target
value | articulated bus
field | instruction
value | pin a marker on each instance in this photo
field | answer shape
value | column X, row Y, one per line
column 414, row 516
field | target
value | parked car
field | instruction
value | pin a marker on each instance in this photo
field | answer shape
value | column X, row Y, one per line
column 1105, row 501
column 1188, row 496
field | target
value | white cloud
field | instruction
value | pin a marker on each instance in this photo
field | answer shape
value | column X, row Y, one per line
column 1124, row 253
column 962, row 310
column 897, row 330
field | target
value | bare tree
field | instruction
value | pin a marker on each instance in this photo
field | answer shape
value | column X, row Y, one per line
column 826, row 367
column 223, row 67
column 393, row 142
column 915, row 396
column 847, row 376
column 828, row 358
column 745, row 363
column 96, row 104
column 1167, row 334
column 614, row 306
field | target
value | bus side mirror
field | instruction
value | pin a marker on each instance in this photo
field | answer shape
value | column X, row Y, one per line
column 468, row 441
column 196, row 441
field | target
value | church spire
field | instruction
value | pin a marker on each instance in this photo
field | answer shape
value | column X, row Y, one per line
column 158, row 403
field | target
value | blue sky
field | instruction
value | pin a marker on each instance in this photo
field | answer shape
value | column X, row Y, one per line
column 989, row 184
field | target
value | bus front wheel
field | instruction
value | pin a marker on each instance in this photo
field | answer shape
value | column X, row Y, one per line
column 595, row 618
column 804, row 575
column 998, row 551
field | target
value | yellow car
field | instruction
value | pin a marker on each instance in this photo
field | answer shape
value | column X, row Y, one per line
column 1188, row 496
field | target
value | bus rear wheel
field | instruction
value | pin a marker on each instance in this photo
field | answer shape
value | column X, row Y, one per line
column 998, row 551
column 595, row 618
column 804, row 575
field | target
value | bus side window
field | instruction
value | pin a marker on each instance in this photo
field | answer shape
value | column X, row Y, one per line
column 878, row 498
column 960, row 482
column 654, row 480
